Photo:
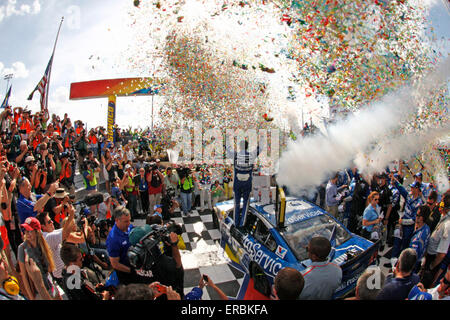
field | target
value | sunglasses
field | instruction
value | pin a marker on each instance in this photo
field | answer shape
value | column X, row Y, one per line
column 377, row 199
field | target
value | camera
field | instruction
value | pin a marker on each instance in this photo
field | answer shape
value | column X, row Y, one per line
column 103, row 227
column 151, row 247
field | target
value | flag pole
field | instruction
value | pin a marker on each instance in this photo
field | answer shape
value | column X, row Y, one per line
column 50, row 72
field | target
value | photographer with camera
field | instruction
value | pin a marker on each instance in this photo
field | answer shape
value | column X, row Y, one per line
column 76, row 282
column 29, row 204
column 46, row 163
column 154, row 252
column 186, row 186
column 57, row 206
column 66, row 173
column 55, row 237
column 89, row 178
column 155, row 181
column 81, row 145
column 141, row 182
column 14, row 145
column 131, row 190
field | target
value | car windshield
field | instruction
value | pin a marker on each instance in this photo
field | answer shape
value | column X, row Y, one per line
column 298, row 234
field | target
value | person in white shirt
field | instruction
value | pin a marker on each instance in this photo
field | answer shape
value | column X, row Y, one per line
column 55, row 238
column 441, row 291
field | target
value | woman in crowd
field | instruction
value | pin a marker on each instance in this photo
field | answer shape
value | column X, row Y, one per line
column 371, row 216
column 37, row 248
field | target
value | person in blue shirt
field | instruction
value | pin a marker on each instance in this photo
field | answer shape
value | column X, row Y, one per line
column 28, row 204
column 391, row 220
column 399, row 284
column 425, row 188
column 118, row 243
column 371, row 218
column 421, row 235
column 413, row 201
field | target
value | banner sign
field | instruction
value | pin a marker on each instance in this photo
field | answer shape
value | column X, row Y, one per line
column 111, row 117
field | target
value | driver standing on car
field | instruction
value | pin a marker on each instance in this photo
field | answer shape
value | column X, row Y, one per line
column 242, row 184
column 322, row 278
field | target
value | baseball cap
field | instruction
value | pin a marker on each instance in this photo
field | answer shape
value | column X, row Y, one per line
column 31, row 224
column 418, row 175
column 138, row 233
column 415, row 184
column 29, row 159
column 382, row 176
column 127, row 167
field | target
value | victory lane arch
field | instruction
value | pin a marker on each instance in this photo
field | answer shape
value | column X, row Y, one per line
column 112, row 89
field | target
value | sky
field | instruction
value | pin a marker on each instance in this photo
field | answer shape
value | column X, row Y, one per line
column 93, row 44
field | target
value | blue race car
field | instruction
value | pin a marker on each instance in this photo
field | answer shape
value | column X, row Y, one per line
column 276, row 235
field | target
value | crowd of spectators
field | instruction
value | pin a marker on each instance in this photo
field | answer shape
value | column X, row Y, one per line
column 43, row 225
column 54, row 247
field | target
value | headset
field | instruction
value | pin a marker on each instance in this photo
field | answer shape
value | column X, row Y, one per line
column 11, row 286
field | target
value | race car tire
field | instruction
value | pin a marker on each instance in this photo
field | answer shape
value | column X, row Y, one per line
column 260, row 282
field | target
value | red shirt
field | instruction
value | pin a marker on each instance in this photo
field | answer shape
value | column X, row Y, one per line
column 153, row 190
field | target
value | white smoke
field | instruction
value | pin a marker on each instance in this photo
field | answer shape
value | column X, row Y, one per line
column 309, row 161
column 397, row 148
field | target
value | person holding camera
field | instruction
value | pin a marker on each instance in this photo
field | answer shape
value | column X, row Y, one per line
column 131, row 190
column 197, row 292
column 89, row 178
column 186, row 186
column 29, row 204
column 46, row 163
column 55, row 237
column 166, row 266
column 66, row 173
column 155, row 181
column 81, row 145
column 76, row 282
column 141, row 182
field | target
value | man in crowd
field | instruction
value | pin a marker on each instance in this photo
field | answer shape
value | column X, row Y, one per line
column 117, row 245
column 288, row 284
column 413, row 201
column 332, row 197
column 29, row 204
column 369, row 284
column 435, row 215
column 438, row 244
column 322, row 278
column 399, row 284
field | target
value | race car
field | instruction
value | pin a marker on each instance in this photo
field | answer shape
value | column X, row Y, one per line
column 276, row 235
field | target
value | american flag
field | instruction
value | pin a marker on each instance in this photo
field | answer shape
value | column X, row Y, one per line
column 43, row 85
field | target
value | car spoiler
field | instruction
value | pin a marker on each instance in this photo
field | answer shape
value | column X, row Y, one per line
column 352, row 269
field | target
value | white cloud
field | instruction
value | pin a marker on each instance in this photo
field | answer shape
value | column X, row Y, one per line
column 12, row 8
column 18, row 69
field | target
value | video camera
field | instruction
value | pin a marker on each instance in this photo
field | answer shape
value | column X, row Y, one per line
column 152, row 246
column 90, row 200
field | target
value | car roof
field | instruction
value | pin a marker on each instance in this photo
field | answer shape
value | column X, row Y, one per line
column 297, row 210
